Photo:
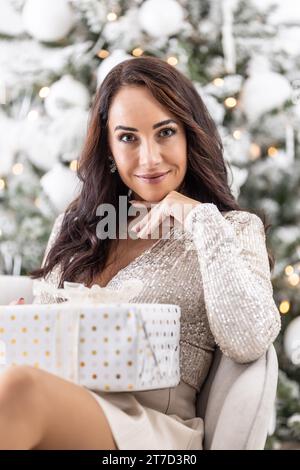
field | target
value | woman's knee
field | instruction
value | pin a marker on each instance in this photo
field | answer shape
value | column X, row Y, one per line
column 18, row 384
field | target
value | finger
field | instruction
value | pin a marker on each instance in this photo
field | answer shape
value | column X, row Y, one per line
column 136, row 228
column 143, row 203
column 20, row 301
column 151, row 225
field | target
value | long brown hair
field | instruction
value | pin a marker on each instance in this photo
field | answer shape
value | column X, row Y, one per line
column 79, row 252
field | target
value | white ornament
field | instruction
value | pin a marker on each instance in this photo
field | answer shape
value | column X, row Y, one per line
column 238, row 177
column 161, row 18
column 263, row 92
column 48, row 20
column 65, row 94
column 291, row 341
column 61, row 186
column 287, row 12
column 9, row 144
column 228, row 10
column 115, row 58
column 68, row 140
column 10, row 20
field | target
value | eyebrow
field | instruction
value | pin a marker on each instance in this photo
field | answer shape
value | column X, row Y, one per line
column 155, row 126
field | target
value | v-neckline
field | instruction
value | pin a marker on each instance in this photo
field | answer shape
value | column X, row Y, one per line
column 139, row 257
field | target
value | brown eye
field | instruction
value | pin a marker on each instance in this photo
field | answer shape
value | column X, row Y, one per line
column 125, row 135
column 173, row 131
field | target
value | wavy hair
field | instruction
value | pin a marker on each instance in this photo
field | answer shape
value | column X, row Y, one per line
column 79, row 252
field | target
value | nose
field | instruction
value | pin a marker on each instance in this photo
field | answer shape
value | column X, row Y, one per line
column 149, row 156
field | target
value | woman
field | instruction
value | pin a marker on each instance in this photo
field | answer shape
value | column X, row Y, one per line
column 151, row 135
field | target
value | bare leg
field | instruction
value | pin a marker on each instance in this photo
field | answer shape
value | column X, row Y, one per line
column 39, row 410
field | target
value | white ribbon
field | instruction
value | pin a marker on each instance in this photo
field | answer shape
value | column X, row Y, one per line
column 75, row 292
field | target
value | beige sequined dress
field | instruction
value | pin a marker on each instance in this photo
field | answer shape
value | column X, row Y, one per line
column 217, row 271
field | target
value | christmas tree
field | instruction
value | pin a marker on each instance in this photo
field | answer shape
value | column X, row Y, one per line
column 242, row 56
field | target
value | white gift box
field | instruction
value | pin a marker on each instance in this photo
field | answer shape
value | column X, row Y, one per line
column 103, row 346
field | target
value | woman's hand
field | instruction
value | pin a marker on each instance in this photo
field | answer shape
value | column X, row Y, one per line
column 173, row 205
column 20, row 301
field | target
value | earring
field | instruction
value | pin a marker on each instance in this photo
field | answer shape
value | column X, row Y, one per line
column 129, row 192
column 112, row 166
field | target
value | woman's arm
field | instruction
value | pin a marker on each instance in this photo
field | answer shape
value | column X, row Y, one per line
column 238, row 293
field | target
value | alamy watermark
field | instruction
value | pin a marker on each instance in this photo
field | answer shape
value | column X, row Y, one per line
column 158, row 217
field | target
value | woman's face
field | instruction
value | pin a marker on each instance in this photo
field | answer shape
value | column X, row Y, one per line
column 144, row 145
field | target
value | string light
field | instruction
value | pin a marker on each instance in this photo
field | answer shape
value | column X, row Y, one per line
column 17, row 169
column 73, row 165
column 230, row 102
column 272, row 151
column 103, row 53
column 237, row 134
column 112, row 16
column 172, row 60
column 137, row 52
column 284, row 306
column 44, row 92
column 255, row 151
column 33, row 115
column 294, row 279
column 289, row 270
column 2, row 184
column 37, row 202
column 218, row 81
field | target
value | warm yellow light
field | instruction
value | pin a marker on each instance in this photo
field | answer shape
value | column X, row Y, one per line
column 218, row 81
column 289, row 270
column 272, row 151
column 230, row 102
column 284, row 306
column 103, row 53
column 237, row 134
column 112, row 16
column 137, row 52
column 294, row 279
column 32, row 115
column 2, row 184
column 255, row 151
column 44, row 92
column 17, row 169
column 172, row 60
column 73, row 165
column 37, row 202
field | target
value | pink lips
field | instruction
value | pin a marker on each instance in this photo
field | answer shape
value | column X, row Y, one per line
column 154, row 178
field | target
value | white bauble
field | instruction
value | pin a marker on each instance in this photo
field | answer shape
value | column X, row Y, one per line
column 69, row 139
column 286, row 12
column 263, row 92
column 215, row 109
column 159, row 18
column 65, row 94
column 237, row 177
column 61, row 186
column 291, row 341
column 9, row 143
column 115, row 58
column 10, row 20
column 48, row 20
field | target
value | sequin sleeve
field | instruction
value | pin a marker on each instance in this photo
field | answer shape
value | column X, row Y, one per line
column 238, row 293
